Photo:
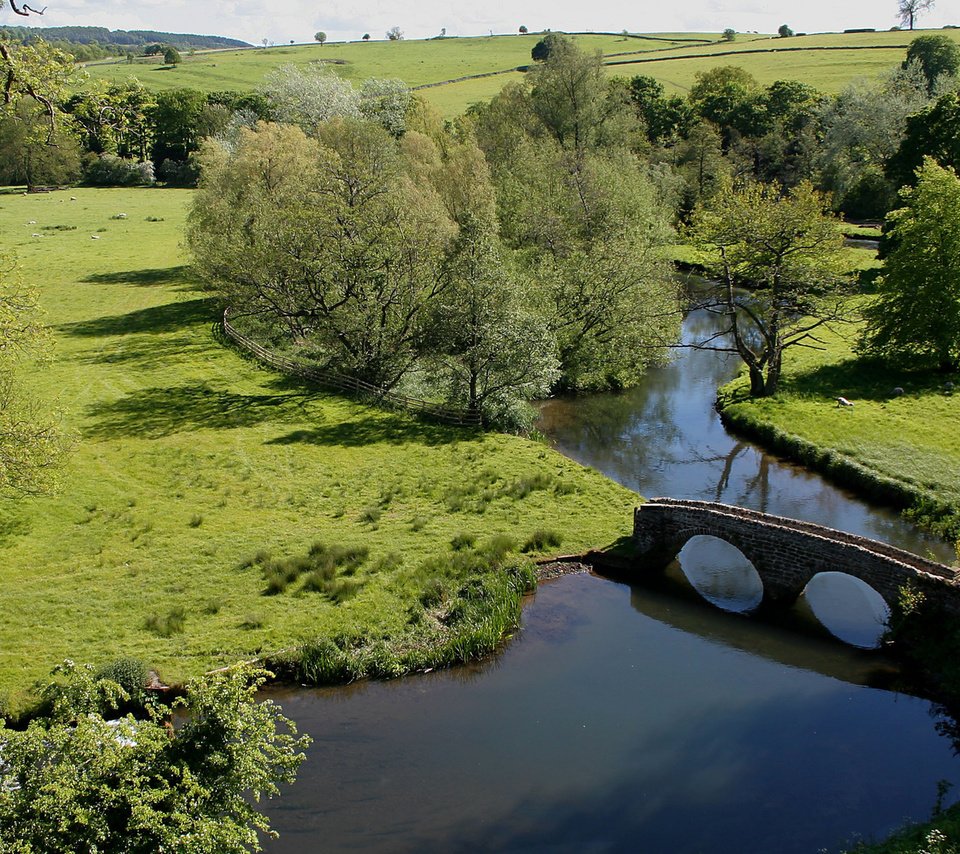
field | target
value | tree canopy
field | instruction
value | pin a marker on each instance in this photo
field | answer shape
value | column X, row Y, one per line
column 917, row 311
column 79, row 780
column 788, row 248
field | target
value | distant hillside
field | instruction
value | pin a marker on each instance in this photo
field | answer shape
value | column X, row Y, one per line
column 119, row 38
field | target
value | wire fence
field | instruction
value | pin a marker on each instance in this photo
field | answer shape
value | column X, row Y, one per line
column 350, row 385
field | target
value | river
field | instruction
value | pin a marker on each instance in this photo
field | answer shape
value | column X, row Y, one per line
column 627, row 718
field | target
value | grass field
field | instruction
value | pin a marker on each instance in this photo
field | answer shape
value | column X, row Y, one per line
column 191, row 460
column 826, row 61
column 909, row 441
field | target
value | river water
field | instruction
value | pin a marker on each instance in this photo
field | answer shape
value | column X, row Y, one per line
column 625, row 718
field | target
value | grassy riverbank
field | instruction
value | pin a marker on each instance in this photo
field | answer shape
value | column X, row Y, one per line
column 901, row 449
column 199, row 479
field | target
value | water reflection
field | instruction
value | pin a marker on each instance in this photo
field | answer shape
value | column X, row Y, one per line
column 721, row 574
column 849, row 608
column 665, row 438
column 620, row 719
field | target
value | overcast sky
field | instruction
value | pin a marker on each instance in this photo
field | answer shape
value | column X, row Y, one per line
column 254, row 20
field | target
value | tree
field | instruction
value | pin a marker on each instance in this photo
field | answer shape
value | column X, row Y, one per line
column 932, row 132
column 663, row 118
column 178, row 121
column 542, row 49
column 938, row 55
column 395, row 34
column 30, row 155
column 32, row 444
column 77, row 781
column 309, row 96
column 493, row 350
column 731, row 98
column 320, row 36
column 171, row 56
column 917, row 311
column 366, row 37
column 327, row 239
column 386, row 102
column 523, row 30
column 788, row 248
column 569, row 94
column 729, row 34
column 908, row 10
column 784, row 31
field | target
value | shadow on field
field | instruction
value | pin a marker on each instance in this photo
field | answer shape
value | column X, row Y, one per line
column 158, row 319
column 863, row 379
column 165, row 410
column 373, row 429
column 147, row 352
column 146, row 278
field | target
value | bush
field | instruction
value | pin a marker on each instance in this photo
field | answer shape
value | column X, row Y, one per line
column 130, row 674
column 541, row 540
column 108, row 170
column 178, row 173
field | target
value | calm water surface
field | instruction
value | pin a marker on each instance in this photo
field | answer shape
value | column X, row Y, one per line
column 636, row 718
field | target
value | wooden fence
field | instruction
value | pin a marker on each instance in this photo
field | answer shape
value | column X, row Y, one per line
column 350, row 385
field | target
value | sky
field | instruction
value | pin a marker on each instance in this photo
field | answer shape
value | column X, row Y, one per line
column 298, row 20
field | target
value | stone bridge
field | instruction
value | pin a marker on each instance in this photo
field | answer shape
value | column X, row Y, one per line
column 787, row 553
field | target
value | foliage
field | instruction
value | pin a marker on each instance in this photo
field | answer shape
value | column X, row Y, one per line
column 938, row 55
column 729, row 34
column 784, row 31
column 551, row 42
column 115, row 119
column 731, row 98
column 32, row 443
column 78, row 782
column 863, row 130
column 30, row 155
column 108, row 170
column 786, row 247
column 327, row 237
column 933, row 132
column 181, row 120
column 917, row 311
column 394, row 34
column 664, row 118
column 493, row 350
column 171, row 56
column 320, row 36
column 310, row 96
column 387, row 103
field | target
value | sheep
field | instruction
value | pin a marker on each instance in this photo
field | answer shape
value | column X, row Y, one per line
column 842, row 401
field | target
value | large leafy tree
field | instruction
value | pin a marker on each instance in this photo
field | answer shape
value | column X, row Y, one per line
column 788, row 249
column 933, row 132
column 917, row 312
column 77, row 781
column 938, row 55
column 329, row 238
column 32, row 443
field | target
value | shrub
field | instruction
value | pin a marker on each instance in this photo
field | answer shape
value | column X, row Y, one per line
column 463, row 541
column 108, row 170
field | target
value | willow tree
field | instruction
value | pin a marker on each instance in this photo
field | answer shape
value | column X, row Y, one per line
column 787, row 248
column 328, row 238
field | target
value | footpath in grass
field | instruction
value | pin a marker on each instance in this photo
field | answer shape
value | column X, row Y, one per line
column 904, row 448
column 196, row 474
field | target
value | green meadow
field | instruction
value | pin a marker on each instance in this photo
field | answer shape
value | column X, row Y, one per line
column 827, row 61
column 193, row 467
column 905, row 446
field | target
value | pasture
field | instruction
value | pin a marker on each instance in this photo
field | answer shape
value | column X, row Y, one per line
column 827, row 61
column 190, row 460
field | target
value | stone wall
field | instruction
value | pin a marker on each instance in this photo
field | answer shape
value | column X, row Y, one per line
column 787, row 553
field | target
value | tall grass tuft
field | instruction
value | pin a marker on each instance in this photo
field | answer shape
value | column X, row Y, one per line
column 167, row 625
column 541, row 540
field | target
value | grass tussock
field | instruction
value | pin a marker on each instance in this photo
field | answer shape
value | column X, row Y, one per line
column 541, row 540
column 327, row 570
column 167, row 625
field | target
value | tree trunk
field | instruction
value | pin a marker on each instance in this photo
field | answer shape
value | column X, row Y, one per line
column 757, row 385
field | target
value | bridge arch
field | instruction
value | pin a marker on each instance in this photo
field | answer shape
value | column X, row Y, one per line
column 721, row 573
column 787, row 553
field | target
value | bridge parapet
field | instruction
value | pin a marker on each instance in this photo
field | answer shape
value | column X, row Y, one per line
column 787, row 553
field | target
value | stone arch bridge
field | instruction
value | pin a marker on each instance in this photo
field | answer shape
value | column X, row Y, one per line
column 786, row 553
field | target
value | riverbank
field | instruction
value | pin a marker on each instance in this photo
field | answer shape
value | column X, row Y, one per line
column 891, row 447
column 214, row 512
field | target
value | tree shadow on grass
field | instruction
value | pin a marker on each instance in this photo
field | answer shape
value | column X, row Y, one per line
column 180, row 275
column 146, row 352
column 377, row 428
column 863, row 379
column 158, row 319
column 164, row 410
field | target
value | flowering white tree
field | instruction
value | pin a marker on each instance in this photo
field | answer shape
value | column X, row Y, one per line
column 310, row 96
